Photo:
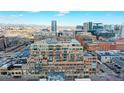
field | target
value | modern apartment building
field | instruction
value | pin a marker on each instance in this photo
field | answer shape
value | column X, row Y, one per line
column 56, row 56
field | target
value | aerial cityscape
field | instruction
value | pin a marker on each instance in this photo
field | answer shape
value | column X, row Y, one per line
column 61, row 45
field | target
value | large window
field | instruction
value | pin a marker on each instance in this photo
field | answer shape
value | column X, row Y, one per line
column 50, row 59
column 3, row 73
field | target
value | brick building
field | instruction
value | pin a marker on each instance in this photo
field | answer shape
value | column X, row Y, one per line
column 105, row 46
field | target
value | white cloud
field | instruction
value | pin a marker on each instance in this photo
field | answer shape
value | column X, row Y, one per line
column 62, row 13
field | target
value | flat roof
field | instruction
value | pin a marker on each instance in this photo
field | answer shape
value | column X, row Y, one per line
column 107, row 53
column 83, row 79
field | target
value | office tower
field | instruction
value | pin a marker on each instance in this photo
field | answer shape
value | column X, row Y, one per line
column 117, row 30
column 87, row 26
column 108, row 27
column 54, row 26
column 97, row 26
column 117, row 27
column 122, row 31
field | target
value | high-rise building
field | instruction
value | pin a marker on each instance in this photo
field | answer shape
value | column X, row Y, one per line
column 122, row 31
column 98, row 26
column 54, row 26
column 87, row 26
column 117, row 27
column 108, row 27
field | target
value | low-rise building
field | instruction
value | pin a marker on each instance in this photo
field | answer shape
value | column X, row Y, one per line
column 106, row 45
column 106, row 56
column 85, row 38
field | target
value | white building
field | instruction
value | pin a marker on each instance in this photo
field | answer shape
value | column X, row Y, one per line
column 87, row 26
column 122, row 31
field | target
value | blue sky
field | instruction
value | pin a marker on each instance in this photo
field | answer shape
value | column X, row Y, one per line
column 71, row 18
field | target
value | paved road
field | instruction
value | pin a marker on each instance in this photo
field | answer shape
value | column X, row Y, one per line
column 106, row 75
column 106, row 69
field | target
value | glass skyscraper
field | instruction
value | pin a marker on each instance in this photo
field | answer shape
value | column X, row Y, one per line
column 54, row 26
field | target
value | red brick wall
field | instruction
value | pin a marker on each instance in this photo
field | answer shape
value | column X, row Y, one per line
column 119, row 46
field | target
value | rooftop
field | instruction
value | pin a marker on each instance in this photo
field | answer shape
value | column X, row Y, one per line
column 119, row 40
column 88, row 54
column 54, row 41
column 110, row 53
column 74, row 41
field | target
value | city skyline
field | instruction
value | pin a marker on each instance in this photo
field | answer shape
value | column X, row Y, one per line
column 63, row 18
column 90, row 50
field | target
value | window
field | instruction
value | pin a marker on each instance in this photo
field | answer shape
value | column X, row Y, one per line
column 19, row 72
column 3, row 73
column 65, row 48
column 50, row 48
column 65, row 52
column 35, row 48
column 94, row 69
column 57, row 48
column 50, row 53
column 64, row 59
column 73, row 44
